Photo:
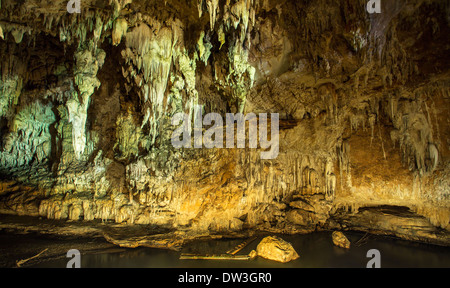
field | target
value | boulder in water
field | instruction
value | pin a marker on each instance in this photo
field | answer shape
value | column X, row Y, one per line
column 276, row 249
column 340, row 240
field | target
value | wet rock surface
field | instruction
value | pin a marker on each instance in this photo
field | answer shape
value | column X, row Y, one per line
column 340, row 240
column 276, row 249
column 395, row 221
column 86, row 103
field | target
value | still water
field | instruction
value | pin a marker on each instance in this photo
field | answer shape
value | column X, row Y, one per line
column 316, row 251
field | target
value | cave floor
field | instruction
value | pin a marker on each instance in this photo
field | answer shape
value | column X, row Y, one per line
column 16, row 248
column 25, row 237
column 34, row 242
column 316, row 251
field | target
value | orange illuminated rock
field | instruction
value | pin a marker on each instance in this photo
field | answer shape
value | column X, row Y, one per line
column 340, row 240
column 276, row 249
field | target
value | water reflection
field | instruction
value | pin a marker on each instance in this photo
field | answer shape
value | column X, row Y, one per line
column 315, row 250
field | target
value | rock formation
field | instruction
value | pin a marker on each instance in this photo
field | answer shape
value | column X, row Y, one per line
column 276, row 249
column 340, row 240
column 87, row 99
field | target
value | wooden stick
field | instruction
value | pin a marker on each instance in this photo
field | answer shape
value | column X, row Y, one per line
column 215, row 257
column 241, row 246
column 21, row 262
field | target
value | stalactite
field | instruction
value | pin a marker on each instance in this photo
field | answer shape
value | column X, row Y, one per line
column 88, row 61
column 434, row 156
column 119, row 29
column 344, row 162
column 18, row 35
column 152, row 55
column 213, row 9
column 205, row 47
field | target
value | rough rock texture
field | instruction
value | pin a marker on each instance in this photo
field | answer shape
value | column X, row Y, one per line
column 86, row 103
column 340, row 240
column 276, row 249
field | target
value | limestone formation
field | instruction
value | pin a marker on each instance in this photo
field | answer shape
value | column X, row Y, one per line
column 87, row 102
column 276, row 249
column 340, row 240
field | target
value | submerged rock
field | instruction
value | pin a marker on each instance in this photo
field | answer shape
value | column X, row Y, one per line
column 276, row 249
column 253, row 254
column 340, row 240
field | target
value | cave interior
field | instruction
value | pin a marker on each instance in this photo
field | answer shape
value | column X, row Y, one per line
column 88, row 101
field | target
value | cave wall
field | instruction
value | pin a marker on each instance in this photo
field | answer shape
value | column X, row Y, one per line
column 87, row 100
